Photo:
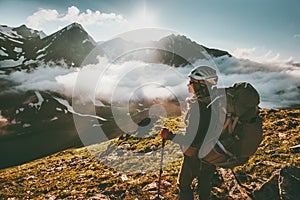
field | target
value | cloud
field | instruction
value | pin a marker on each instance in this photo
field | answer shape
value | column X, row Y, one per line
column 119, row 82
column 277, row 82
column 73, row 14
column 261, row 56
column 42, row 16
column 105, row 80
column 42, row 78
column 243, row 53
column 297, row 36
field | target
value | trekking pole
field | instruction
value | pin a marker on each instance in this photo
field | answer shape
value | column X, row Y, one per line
column 161, row 166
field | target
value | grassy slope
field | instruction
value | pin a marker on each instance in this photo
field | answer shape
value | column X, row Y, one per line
column 87, row 173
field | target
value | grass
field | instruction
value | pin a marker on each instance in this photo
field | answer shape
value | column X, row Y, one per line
column 128, row 167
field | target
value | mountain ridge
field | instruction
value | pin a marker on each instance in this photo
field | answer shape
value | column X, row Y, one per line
column 34, row 47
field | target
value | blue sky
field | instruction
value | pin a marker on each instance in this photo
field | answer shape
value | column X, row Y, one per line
column 265, row 29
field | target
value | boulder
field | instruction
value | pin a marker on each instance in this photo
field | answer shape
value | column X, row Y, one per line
column 284, row 184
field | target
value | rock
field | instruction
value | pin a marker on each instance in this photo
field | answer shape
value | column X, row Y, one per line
column 235, row 190
column 124, row 177
column 289, row 183
column 295, row 149
column 150, row 187
column 100, row 196
column 155, row 197
column 268, row 190
column 124, row 147
column 154, row 186
column 284, row 184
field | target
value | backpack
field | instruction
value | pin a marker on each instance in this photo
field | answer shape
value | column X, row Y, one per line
column 242, row 130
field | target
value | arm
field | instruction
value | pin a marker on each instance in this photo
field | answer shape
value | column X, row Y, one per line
column 198, row 119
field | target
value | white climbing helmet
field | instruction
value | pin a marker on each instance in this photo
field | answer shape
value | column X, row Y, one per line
column 204, row 73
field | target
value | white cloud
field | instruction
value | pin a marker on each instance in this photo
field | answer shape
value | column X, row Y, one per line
column 89, row 17
column 277, row 82
column 42, row 16
column 243, row 53
column 42, row 78
column 260, row 55
column 101, row 26
column 297, row 36
column 118, row 82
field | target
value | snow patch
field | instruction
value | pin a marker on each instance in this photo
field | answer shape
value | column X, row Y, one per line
column 28, row 62
column 17, row 41
column 40, row 56
column 41, row 34
column 9, row 32
column 71, row 110
column 38, row 105
column 18, row 50
column 26, row 125
column 43, row 49
column 2, row 53
column 59, row 109
column 11, row 62
column 54, row 118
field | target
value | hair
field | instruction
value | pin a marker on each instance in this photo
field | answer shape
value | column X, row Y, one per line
column 201, row 90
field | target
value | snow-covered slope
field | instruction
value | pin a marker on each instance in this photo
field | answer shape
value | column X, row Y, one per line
column 23, row 47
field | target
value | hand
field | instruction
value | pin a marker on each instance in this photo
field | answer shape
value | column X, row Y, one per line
column 164, row 132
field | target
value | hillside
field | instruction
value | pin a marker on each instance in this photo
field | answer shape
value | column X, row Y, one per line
column 76, row 174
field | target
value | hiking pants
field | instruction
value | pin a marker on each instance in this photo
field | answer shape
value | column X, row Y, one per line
column 191, row 168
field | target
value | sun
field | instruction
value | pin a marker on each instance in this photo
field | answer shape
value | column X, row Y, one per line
column 143, row 18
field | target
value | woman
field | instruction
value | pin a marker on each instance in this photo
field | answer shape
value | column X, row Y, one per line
column 203, row 80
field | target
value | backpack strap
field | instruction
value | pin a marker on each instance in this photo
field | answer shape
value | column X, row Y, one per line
column 230, row 123
column 224, row 149
column 233, row 124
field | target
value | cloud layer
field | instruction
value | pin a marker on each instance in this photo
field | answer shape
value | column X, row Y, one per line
column 277, row 82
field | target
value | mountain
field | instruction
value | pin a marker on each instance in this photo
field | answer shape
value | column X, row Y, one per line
column 188, row 49
column 35, row 123
column 23, row 47
column 173, row 50
column 71, row 44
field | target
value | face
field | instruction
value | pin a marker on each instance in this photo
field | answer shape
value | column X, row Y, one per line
column 190, row 85
column 191, row 88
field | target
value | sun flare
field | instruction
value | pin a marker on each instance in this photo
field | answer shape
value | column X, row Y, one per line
column 143, row 18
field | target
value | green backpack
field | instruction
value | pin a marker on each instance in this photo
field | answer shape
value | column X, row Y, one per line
column 242, row 130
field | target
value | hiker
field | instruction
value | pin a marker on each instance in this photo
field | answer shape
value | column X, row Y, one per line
column 202, row 80
column 234, row 124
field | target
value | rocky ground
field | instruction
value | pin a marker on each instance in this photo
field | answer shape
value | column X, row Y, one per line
column 128, row 168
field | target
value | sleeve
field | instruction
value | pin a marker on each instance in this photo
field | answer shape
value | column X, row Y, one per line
column 198, row 118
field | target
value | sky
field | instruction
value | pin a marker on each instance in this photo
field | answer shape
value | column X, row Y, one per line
column 256, row 29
